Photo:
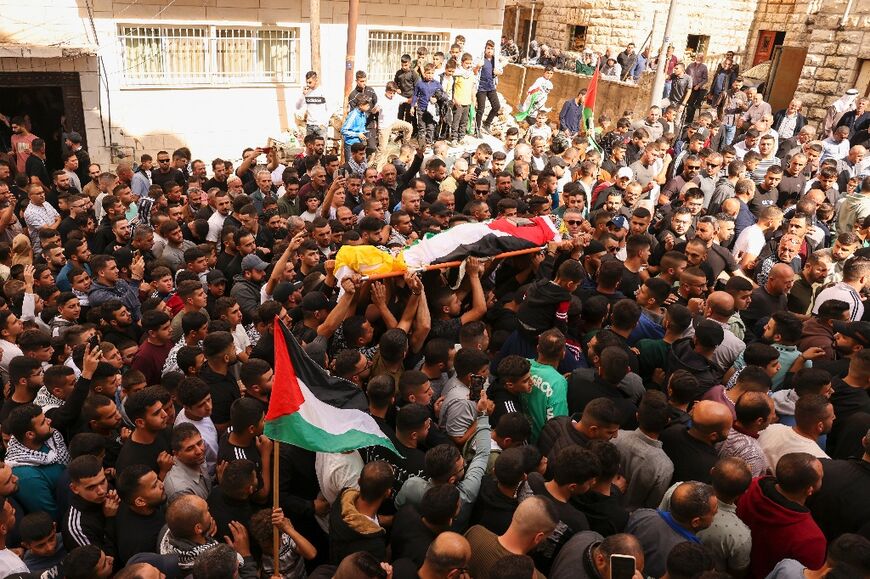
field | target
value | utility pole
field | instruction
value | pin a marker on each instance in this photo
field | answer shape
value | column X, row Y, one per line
column 531, row 26
column 314, row 23
column 659, row 84
column 350, row 59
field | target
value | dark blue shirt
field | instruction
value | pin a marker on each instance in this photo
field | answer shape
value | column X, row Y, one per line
column 569, row 116
column 487, row 79
column 744, row 219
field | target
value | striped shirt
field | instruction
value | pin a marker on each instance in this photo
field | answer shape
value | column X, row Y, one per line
column 844, row 292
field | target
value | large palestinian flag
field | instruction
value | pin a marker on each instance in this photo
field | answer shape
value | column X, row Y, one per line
column 313, row 410
column 455, row 244
column 589, row 110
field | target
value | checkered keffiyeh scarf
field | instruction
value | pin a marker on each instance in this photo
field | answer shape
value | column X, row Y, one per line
column 19, row 455
column 357, row 168
column 46, row 400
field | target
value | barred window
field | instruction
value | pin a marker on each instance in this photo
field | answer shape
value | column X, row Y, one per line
column 386, row 50
column 208, row 55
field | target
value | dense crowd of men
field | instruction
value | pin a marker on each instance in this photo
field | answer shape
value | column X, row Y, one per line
column 676, row 386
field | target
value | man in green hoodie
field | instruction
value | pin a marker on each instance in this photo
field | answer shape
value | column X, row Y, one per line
column 855, row 208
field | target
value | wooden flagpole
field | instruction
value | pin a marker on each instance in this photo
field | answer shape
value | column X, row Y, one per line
column 449, row 264
column 276, row 532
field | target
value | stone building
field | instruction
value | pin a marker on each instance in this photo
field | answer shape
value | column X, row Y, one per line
column 838, row 50
column 817, row 48
column 138, row 76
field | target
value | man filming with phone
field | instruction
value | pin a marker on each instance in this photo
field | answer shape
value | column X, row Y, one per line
column 464, row 396
column 588, row 555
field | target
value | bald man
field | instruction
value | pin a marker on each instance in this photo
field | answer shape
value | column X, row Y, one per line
column 124, row 171
column 532, row 522
column 588, row 546
column 769, row 298
column 447, row 557
column 728, row 538
column 693, row 506
column 191, row 530
column 719, row 308
column 691, row 449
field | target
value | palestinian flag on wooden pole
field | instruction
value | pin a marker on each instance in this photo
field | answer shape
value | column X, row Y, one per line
column 310, row 409
column 589, row 109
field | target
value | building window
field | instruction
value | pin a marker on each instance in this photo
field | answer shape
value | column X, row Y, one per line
column 386, row 50
column 696, row 43
column 208, row 55
column 577, row 37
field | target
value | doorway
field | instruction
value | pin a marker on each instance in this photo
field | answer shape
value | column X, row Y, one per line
column 42, row 106
column 51, row 102
column 768, row 40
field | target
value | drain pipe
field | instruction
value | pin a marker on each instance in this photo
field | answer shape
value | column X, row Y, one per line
column 846, row 14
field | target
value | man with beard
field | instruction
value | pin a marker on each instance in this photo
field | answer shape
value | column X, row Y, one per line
column 189, row 473
column 680, row 230
column 845, row 246
column 813, row 274
column 146, row 445
column 77, row 206
column 142, row 512
column 719, row 259
column 219, row 176
column 769, row 298
column 38, row 456
column 165, row 174
column 120, row 236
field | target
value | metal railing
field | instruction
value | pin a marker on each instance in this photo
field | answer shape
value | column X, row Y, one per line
column 385, row 50
column 193, row 55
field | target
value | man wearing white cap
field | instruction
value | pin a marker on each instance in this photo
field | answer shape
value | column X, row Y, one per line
column 622, row 178
column 838, row 108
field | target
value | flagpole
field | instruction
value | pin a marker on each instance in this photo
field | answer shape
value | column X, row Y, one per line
column 276, row 532
column 449, row 264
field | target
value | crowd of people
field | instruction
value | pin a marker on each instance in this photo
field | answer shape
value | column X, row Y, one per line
column 676, row 386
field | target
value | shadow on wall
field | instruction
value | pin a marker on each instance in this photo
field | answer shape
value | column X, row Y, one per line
column 613, row 98
column 130, row 147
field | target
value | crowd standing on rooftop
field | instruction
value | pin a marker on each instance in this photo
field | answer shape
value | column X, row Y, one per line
column 679, row 379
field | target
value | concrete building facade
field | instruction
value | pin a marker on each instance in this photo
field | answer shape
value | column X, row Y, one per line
column 138, row 76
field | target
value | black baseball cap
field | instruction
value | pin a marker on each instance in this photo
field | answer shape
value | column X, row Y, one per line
column 858, row 331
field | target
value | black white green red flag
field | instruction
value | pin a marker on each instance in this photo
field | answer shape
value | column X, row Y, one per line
column 313, row 410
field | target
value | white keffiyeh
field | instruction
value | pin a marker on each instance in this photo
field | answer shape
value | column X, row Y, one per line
column 46, row 400
column 19, row 455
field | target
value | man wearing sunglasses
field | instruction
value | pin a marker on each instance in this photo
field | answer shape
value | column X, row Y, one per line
column 165, row 173
column 708, row 176
column 691, row 167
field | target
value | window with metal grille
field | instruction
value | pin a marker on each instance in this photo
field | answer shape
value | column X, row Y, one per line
column 386, row 50
column 208, row 54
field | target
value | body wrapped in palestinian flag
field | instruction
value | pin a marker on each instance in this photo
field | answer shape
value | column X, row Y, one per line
column 455, row 244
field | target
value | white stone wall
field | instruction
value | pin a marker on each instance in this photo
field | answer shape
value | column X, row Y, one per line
column 214, row 121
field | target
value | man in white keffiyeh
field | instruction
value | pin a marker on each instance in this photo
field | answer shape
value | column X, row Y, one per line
column 837, row 109
column 37, row 455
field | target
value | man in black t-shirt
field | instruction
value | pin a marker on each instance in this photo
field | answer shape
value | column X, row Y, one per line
column 220, row 353
column 766, row 193
column 146, row 445
column 412, row 426
column 574, row 470
column 692, row 449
